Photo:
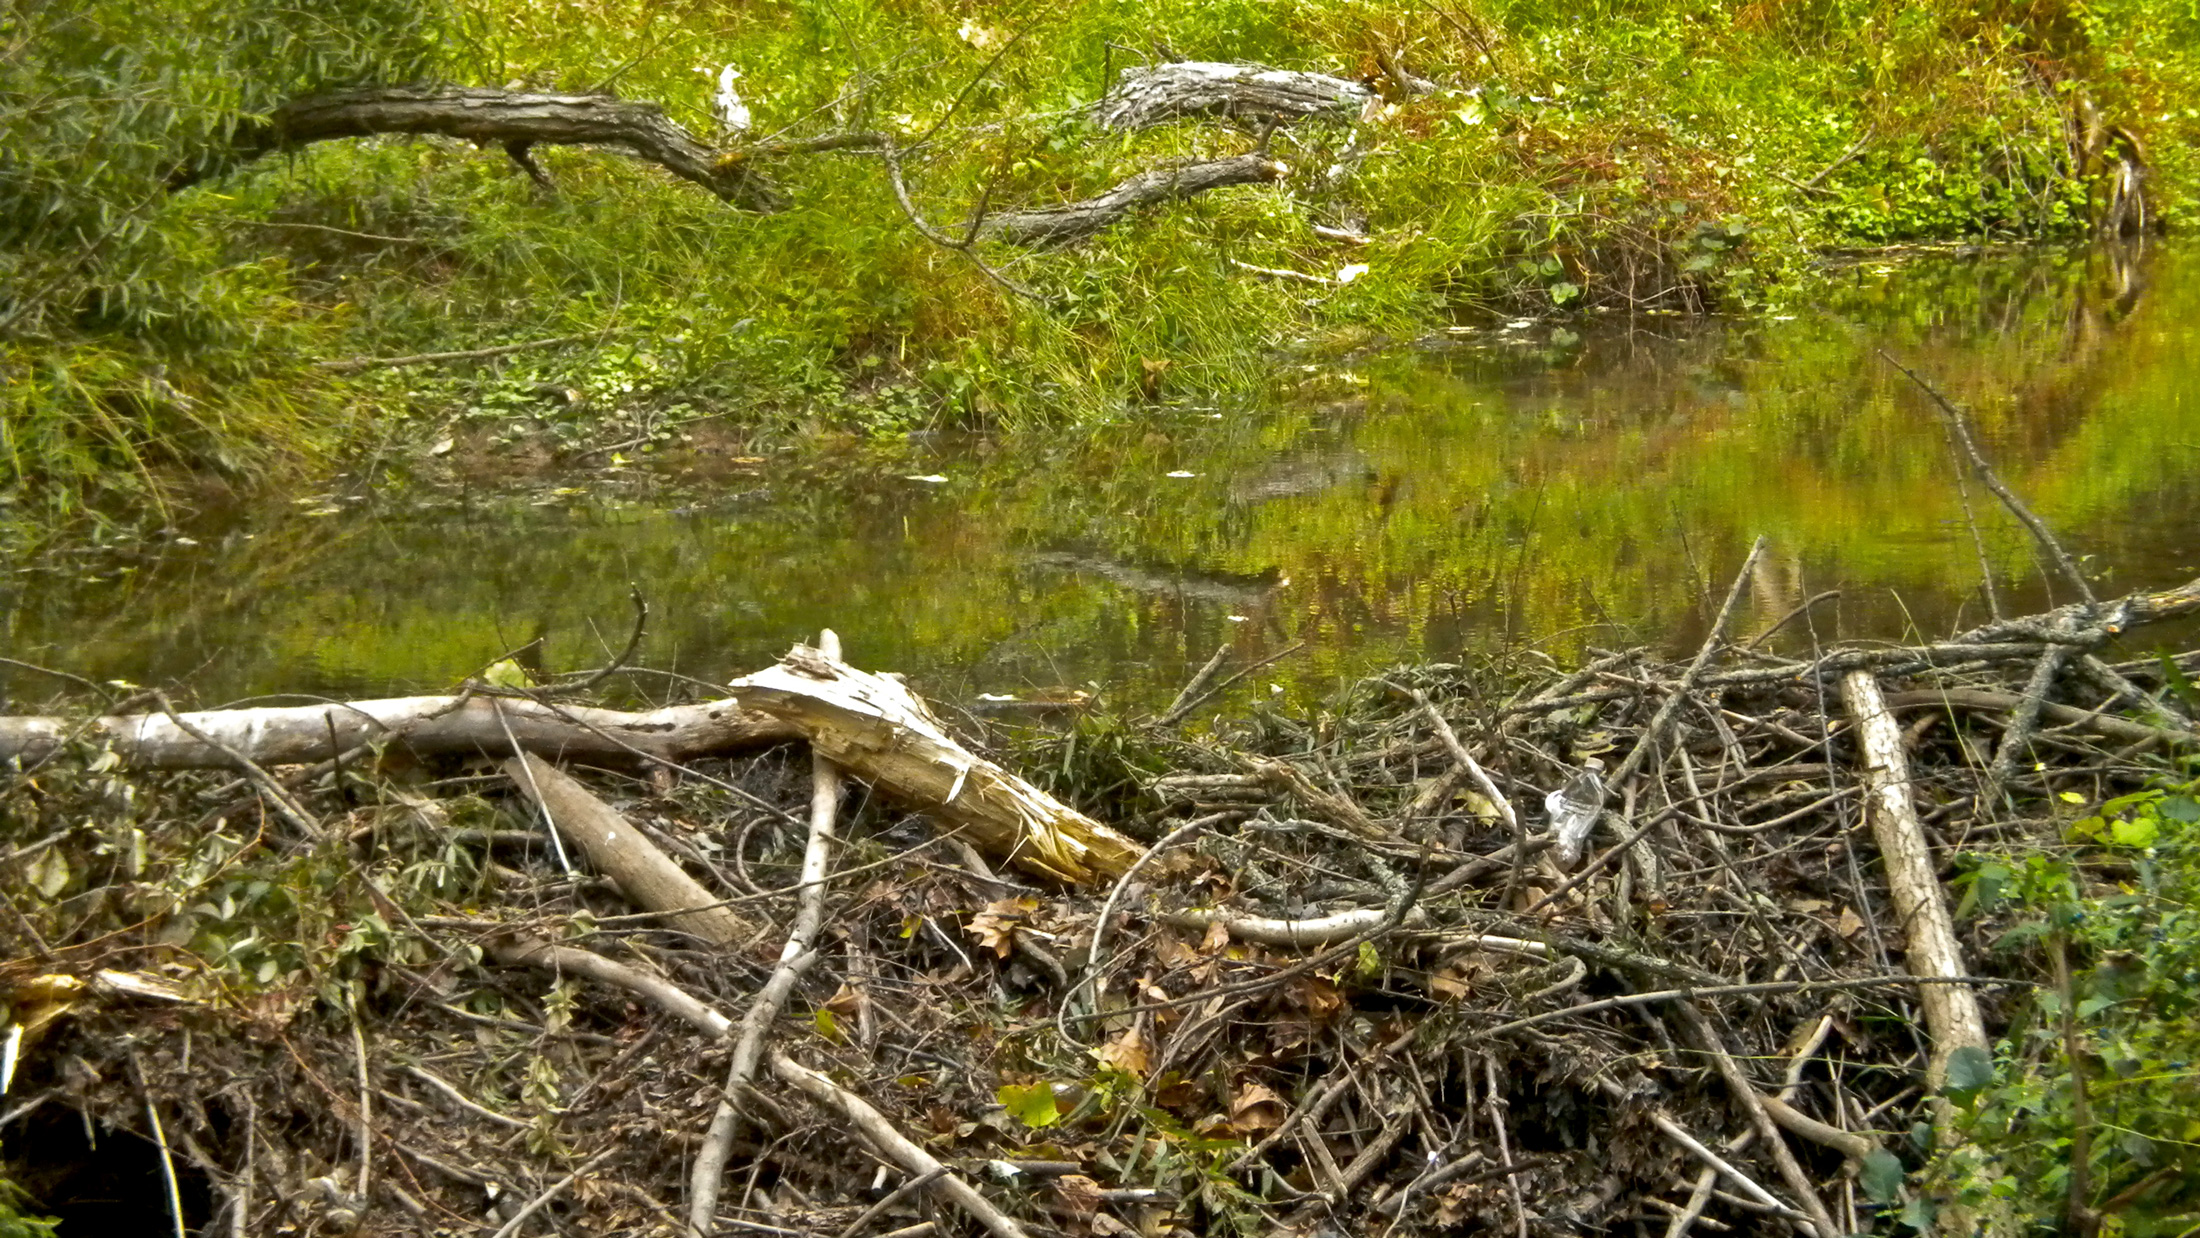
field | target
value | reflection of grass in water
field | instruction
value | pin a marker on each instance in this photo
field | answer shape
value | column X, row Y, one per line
column 1469, row 495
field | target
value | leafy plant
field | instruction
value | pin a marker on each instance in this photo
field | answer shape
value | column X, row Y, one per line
column 2089, row 1112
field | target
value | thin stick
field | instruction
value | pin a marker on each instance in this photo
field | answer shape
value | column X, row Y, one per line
column 892, row 1144
column 1092, row 978
column 1745, row 1095
column 1674, row 1131
column 539, row 1202
column 1496, row 1106
column 1184, row 700
column 707, row 1178
column 899, row 1193
column 366, row 1113
column 288, row 808
column 356, row 364
column 549, row 823
column 2037, row 527
column 167, row 1167
column 1978, row 541
column 1673, row 704
column 1719, row 990
column 1481, row 776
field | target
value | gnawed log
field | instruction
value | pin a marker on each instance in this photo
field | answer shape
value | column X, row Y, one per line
column 1151, row 96
column 879, row 731
column 1930, row 948
column 1074, row 221
column 421, row 725
column 501, row 118
column 614, row 847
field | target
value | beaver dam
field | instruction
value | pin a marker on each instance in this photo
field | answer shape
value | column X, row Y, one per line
column 796, row 956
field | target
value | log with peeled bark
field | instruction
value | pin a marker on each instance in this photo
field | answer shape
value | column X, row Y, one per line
column 1074, row 221
column 421, row 725
column 878, row 730
column 616, row 848
column 1150, row 96
column 1930, row 948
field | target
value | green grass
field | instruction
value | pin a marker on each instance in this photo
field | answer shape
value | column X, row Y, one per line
column 1697, row 155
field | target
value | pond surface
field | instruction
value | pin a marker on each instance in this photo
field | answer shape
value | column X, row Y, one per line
column 1567, row 483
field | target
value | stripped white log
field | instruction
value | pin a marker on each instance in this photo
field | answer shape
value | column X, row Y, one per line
column 423, row 725
column 1929, row 934
column 878, row 730
column 616, row 848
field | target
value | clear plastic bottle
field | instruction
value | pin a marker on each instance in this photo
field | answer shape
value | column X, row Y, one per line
column 1574, row 809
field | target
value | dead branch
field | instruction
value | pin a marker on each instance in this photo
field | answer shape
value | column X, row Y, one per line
column 1150, row 96
column 880, row 1134
column 794, row 959
column 1951, row 1010
column 880, row 731
column 490, row 117
column 648, row 877
column 1074, row 221
column 421, row 725
column 355, row 365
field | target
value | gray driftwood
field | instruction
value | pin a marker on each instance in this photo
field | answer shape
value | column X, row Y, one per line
column 1161, row 93
column 1074, row 221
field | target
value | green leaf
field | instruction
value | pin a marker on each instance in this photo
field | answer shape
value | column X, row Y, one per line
column 1970, row 1071
column 1881, row 1176
column 1031, row 1104
column 2094, row 1005
column 506, row 674
column 2181, row 808
column 2136, row 831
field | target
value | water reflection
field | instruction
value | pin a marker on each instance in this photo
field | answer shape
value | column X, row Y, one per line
column 1571, row 484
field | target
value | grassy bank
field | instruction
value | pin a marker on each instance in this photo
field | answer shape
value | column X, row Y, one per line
column 1691, row 156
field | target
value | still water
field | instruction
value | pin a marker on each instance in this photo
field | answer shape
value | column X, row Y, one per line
column 1567, row 483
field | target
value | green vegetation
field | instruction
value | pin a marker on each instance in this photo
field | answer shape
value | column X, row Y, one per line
column 2113, row 924
column 1686, row 153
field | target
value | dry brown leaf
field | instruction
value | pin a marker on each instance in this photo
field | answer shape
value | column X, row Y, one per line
column 1256, row 1108
column 1850, row 924
column 995, row 927
column 1079, row 1195
column 1126, row 1053
column 1217, row 939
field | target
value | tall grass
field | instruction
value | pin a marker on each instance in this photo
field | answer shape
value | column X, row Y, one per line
column 1694, row 154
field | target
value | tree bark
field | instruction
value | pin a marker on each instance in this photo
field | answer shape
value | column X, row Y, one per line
column 498, row 118
column 1074, row 221
column 1151, row 96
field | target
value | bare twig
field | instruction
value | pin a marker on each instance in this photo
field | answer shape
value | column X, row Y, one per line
column 1986, row 474
column 708, row 1175
column 355, row 365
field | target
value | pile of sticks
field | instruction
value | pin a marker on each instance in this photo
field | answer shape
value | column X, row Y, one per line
column 504, row 963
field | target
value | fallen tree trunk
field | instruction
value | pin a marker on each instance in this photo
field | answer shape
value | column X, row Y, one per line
column 1074, row 221
column 878, row 730
column 505, row 118
column 421, row 725
column 1151, row 96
